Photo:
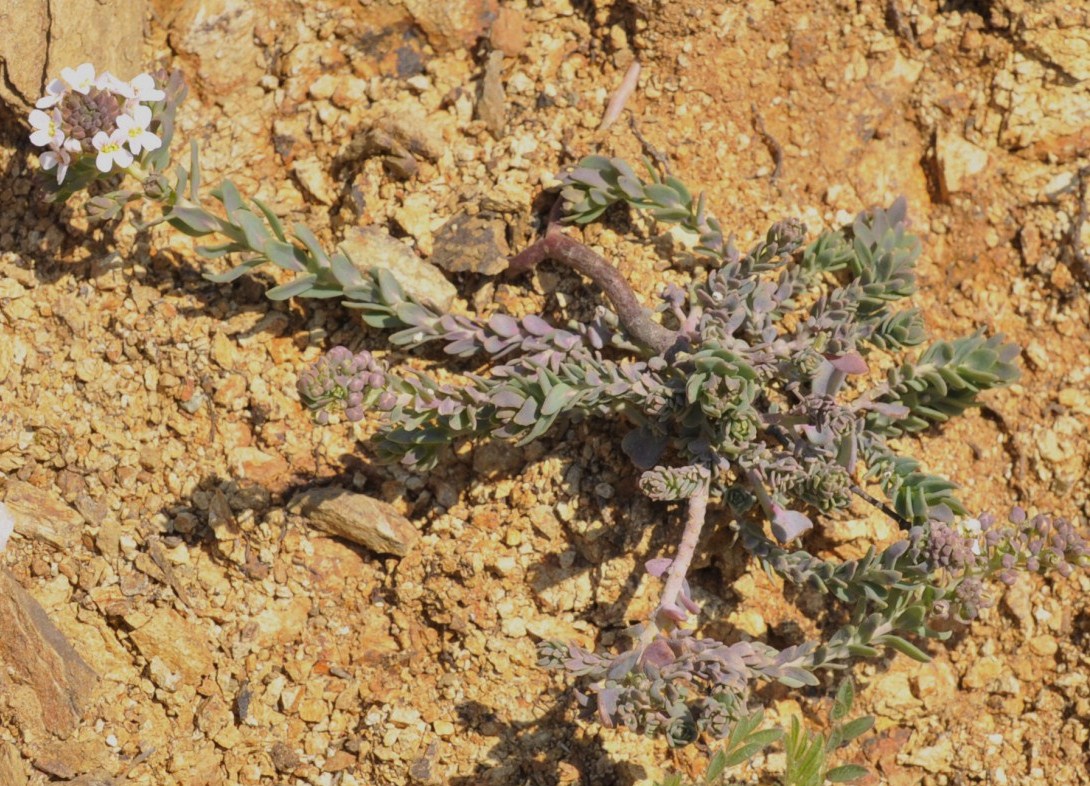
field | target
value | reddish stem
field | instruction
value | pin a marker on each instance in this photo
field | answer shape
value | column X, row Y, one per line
column 635, row 319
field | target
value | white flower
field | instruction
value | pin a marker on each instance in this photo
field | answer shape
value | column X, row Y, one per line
column 143, row 88
column 60, row 157
column 972, row 529
column 47, row 128
column 111, row 150
column 134, row 128
column 81, row 78
column 7, row 525
column 107, row 81
column 54, row 92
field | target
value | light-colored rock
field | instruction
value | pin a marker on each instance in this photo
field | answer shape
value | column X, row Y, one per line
column 39, row 515
column 508, row 33
column 356, row 517
column 983, row 672
column 55, row 34
column 215, row 40
column 45, row 685
column 933, row 758
column 935, row 683
column 371, row 247
column 12, row 769
column 181, row 646
column 959, row 161
column 893, row 696
column 267, row 469
column 1066, row 47
column 452, row 24
column 314, row 180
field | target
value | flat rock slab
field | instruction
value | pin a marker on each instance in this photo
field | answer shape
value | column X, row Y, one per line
column 12, row 769
column 44, row 683
column 370, row 247
column 356, row 517
column 176, row 648
column 39, row 515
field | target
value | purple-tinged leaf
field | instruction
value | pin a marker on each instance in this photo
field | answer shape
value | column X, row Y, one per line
column 658, row 566
column 623, row 666
column 536, row 326
column 686, row 599
column 896, row 411
column 789, row 524
column 507, row 399
column 851, row 363
column 527, row 415
column 462, row 347
column 659, row 654
column 607, row 705
column 503, row 325
column 557, row 399
column 672, row 612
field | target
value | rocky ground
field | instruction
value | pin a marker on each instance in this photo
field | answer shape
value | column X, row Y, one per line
column 151, row 439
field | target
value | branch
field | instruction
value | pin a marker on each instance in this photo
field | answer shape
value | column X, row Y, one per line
column 635, row 319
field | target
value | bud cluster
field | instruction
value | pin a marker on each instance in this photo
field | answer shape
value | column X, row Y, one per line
column 974, row 549
column 84, row 114
column 345, row 381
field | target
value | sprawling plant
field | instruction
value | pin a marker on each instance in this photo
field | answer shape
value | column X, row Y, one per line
column 748, row 390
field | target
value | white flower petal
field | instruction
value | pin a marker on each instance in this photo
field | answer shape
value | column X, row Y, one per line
column 144, row 87
column 142, row 116
column 39, row 119
column 104, row 162
column 42, row 138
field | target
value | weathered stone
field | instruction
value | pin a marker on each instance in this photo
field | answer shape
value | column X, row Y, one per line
column 473, row 244
column 371, row 247
column 452, row 24
column 315, row 181
column 55, row 34
column 12, row 769
column 959, row 161
column 40, row 515
column 356, row 517
column 216, row 39
column 182, row 648
column 508, row 33
column 492, row 102
column 933, row 758
column 44, row 683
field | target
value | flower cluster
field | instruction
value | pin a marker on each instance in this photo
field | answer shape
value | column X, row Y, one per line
column 345, row 381
column 84, row 114
column 975, row 549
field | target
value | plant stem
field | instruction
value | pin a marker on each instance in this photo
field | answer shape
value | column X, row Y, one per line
column 635, row 319
column 679, row 568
